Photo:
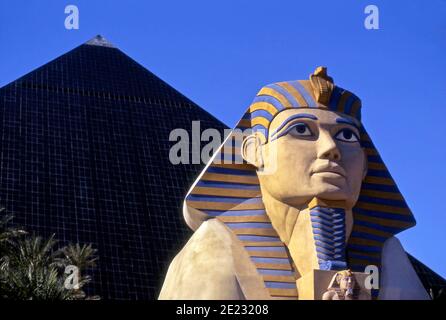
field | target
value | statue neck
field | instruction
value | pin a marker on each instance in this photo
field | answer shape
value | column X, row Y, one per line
column 300, row 228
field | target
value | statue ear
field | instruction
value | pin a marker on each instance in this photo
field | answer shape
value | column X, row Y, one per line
column 366, row 165
column 252, row 151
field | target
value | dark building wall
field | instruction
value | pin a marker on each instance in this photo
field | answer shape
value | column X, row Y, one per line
column 85, row 155
column 434, row 283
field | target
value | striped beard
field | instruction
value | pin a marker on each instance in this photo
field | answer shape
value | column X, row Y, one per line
column 329, row 232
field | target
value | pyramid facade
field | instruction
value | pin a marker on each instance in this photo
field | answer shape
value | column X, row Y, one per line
column 85, row 155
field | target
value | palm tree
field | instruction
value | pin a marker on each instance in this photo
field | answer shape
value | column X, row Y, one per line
column 7, row 233
column 32, row 268
column 7, row 236
column 82, row 257
column 30, row 271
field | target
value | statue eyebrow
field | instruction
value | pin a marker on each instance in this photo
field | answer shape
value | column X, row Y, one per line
column 293, row 117
column 347, row 121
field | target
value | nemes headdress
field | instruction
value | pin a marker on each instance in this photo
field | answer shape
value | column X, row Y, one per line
column 228, row 188
column 318, row 92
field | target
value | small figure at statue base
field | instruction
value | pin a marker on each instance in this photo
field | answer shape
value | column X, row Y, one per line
column 333, row 285
column 343, row 286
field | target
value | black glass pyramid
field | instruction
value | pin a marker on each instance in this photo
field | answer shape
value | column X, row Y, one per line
column 85, row 155
column 434, row 283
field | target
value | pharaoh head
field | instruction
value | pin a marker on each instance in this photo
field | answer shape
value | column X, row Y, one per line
column 307, row 148
column 344, row 280
column 342, row 286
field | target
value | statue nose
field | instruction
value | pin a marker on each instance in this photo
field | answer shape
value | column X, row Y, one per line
column 328, row 148
column 332, row 155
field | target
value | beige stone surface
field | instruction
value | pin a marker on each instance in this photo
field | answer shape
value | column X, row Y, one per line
column 212, row 265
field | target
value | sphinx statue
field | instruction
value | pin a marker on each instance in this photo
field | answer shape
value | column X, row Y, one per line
column 296, row 194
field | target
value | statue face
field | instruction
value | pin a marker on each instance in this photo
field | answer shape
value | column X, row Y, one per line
column 312, row 152
column 346, row 283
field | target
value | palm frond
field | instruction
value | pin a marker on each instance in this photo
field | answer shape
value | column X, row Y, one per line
column 32, row 268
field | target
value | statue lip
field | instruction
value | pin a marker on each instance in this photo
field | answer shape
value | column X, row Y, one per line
column 329, row 168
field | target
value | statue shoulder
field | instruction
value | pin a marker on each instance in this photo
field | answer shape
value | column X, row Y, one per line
column 399, row 281
column 204, row 268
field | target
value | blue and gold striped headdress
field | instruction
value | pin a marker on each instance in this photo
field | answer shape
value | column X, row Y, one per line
column 318, row 92
column 230, row 191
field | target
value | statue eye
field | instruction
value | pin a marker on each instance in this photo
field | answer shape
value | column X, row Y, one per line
column 300, row 130
column 347, row 135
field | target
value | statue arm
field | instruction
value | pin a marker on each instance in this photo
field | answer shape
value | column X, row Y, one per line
column 328, row 295
column 203, row 269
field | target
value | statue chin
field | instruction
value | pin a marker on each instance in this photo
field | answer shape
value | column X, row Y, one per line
column 332, row 194
column 334, row 190
column 322, row 191
column 329, row 191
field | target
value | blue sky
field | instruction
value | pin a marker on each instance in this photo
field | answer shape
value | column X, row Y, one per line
column 219, row 53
